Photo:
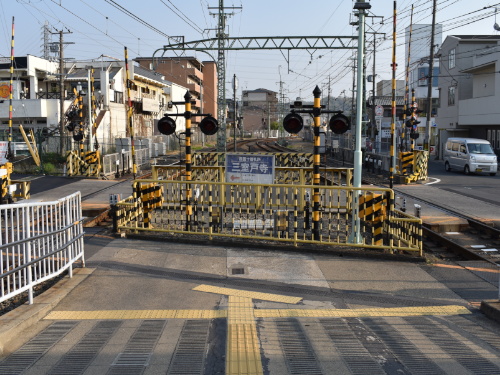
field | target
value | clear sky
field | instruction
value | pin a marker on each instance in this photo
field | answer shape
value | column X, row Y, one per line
column 104, row 27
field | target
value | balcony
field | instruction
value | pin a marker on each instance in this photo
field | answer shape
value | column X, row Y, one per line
column 38, row 108
column 194, row 87
column 197, row 103
column 195, row 73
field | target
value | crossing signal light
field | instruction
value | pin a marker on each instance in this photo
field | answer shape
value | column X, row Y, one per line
column 166, row 125
column 209, row 125
column 293, row 123
column 73, row 115
column 414, row 135
column 78, row 136
column 71, row 126
column 339, row 124
column 411, row 122
column 44, row 134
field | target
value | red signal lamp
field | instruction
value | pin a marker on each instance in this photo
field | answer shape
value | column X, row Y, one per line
column 209, row 125
column 166, row 125
column 293, row 123
column 78, row 136
column 339, row 124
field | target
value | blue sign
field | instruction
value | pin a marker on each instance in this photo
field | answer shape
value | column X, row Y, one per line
column 250, row 168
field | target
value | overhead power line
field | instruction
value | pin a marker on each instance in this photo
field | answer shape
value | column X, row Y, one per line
column 135, row 17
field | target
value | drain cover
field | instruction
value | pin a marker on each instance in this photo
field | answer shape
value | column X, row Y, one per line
column 238, row 271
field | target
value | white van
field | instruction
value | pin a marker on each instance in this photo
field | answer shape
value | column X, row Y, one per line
column 470, row 155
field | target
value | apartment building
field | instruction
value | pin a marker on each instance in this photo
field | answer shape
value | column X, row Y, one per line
column 199, row 77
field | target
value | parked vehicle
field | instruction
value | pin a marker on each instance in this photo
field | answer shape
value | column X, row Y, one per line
column 470, row 155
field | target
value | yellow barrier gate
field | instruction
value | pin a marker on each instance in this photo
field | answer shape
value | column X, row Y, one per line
column 88, row 164
column 282, row 159
column 283, row 175
column 406, row 159
column 277, row 212
column 421, row 159
column 373, row 209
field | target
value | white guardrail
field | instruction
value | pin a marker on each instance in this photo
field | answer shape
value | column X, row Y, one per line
column 121, row 163
column 38, row 241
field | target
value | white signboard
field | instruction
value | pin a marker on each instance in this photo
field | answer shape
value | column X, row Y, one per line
column 250, row 168
column 379, row 110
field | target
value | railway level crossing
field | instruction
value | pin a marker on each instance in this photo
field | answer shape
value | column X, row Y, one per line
column 279, row 212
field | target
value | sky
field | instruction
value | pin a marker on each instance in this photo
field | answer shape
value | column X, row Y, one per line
column 104, row 27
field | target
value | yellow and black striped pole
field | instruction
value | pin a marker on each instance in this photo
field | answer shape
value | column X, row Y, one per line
column 10, row 153
column 187, row 115
column 130, row 119
column 93, row 114
column 393, row 102
column 407, row 79
column 316, row 163
column 80, row 127
column 413, row 104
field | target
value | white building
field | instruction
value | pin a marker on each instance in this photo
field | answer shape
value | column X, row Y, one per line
column 36, row 99
column 470, row 89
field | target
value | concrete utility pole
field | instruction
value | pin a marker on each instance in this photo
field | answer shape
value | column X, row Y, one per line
column 429, row 83
column 355, row 236
column 372, row 131
column 61, row 88
column 235, row 87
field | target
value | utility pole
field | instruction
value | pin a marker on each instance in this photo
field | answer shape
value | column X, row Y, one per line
column 430, row 77
column 221, row 73
column 61, row 88
column 235, row 87
column 355, row 236
column 372, row 132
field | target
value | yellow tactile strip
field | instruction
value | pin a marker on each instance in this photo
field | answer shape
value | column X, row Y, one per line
column 248, row 294
column 136, row 314
column 358, row 313
column 242, row 345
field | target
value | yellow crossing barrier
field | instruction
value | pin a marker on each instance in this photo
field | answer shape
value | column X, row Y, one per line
column 282, row 159
column 406, row 159
column 274, row 212
column 421, row 159
column 89, row 165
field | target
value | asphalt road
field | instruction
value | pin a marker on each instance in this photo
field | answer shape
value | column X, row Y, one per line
column 481, row 186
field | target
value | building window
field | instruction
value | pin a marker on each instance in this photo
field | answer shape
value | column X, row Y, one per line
column 451, row 95
column 451, row 59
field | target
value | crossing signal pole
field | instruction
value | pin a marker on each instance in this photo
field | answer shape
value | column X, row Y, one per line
column 293, row 123
column 208, row 126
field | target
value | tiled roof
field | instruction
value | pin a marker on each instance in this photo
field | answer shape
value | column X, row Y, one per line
column 387, row 100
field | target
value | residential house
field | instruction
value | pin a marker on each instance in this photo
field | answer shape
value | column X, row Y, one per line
column 259, row 109
column 102, row 85
column 469, row 89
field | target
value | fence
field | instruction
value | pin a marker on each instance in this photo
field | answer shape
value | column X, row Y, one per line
column 277, row 212
column 38, row 242
column 121, row 163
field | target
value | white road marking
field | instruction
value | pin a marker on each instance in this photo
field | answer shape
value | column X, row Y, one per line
column 434, row 182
